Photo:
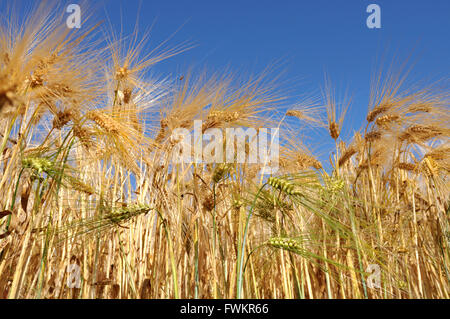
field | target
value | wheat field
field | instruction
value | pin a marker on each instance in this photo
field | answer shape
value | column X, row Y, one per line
column 93, row 205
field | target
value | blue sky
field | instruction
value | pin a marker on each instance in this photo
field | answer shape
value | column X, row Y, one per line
column 308, row 37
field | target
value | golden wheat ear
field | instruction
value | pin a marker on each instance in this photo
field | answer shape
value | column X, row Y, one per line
column 336, row 110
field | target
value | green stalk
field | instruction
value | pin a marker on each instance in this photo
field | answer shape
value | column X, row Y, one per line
column 39, row 193
column 172, row 257
column 8, row 222
column 214, row 238
column 7, row 133
column 196, row 261
column 358, row 251
column 242, row 248
column 128, row 267
column 297, row 282
column 49, row 224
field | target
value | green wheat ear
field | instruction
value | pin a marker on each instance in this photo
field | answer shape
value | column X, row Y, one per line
column 283, row 185
column 294, row 245
column 285, row 243
column 101, row 223
column 334, row 184
column 38, row 164
column 124, row 214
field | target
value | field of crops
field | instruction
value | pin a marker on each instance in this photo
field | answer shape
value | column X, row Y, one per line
column 93, row 204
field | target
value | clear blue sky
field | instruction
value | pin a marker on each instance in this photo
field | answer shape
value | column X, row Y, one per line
column 308, row 36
